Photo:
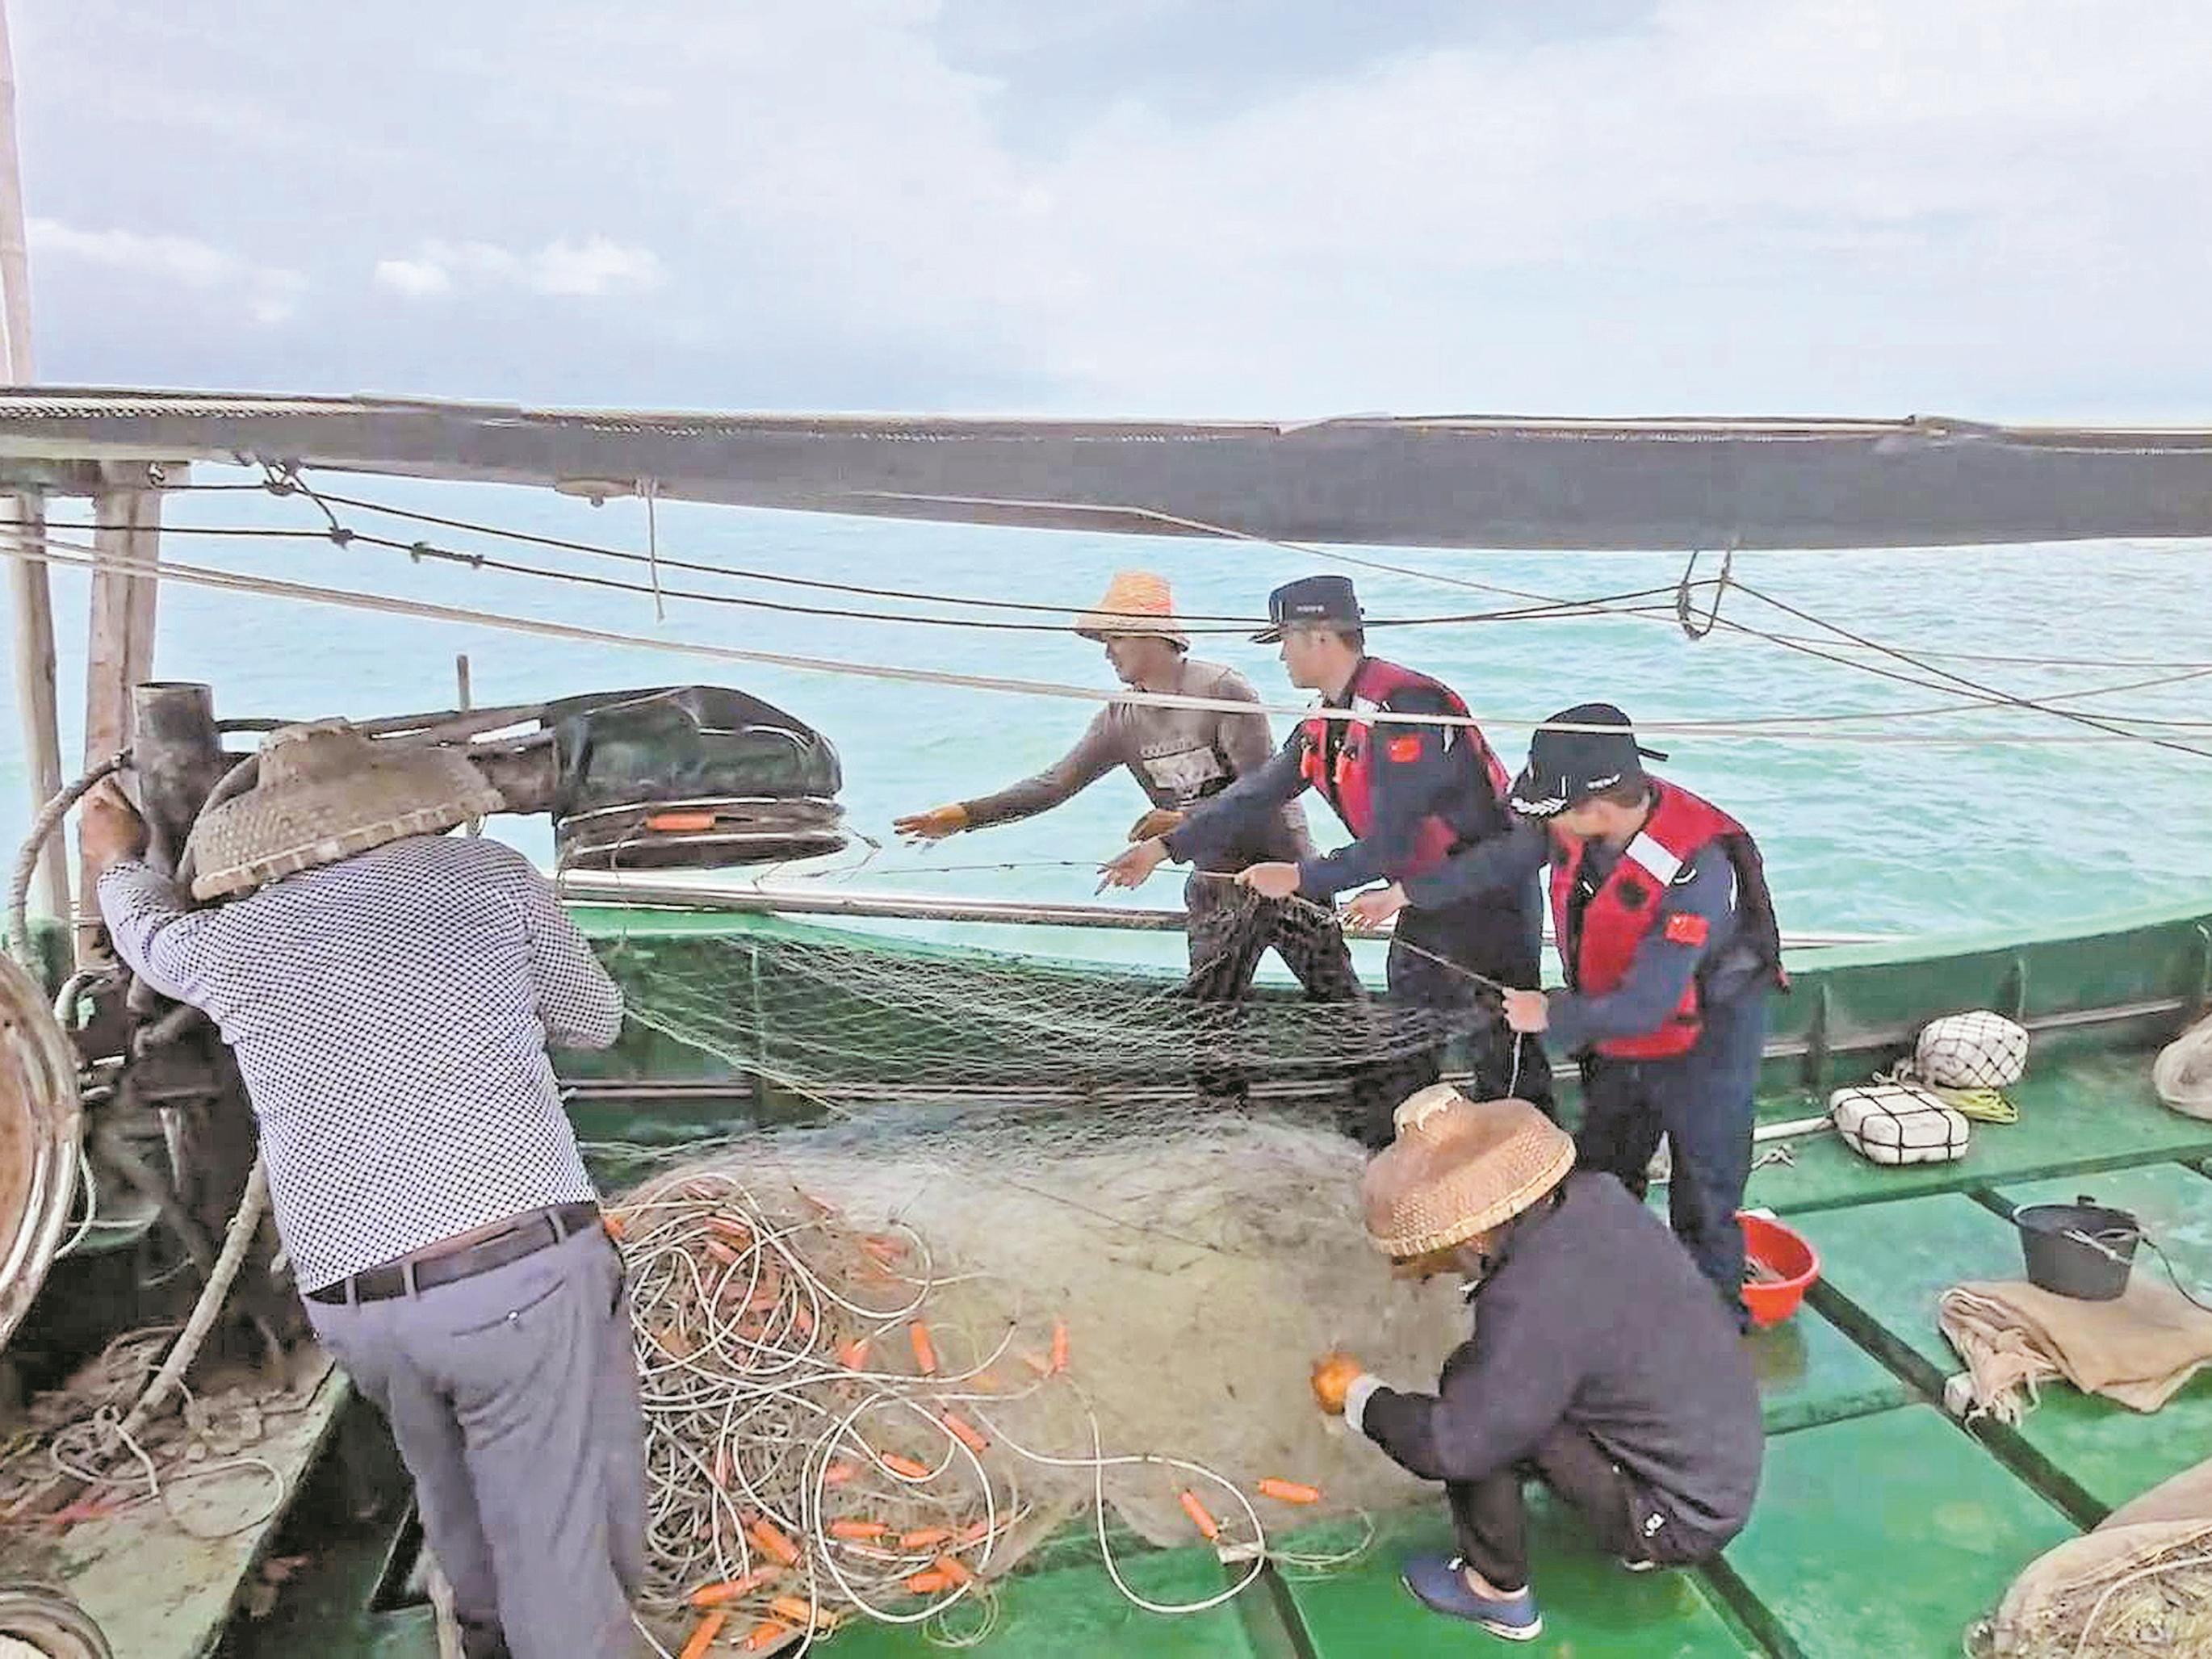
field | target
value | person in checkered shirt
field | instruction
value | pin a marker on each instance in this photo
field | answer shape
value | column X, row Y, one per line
column 391, row 994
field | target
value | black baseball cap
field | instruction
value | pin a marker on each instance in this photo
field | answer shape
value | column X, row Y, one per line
column 1565, row 768
column 1327, row 600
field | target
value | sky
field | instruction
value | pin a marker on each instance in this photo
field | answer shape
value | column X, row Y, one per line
column 1272, row 208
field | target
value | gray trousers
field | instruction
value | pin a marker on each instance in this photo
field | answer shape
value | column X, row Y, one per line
column 513, row 1396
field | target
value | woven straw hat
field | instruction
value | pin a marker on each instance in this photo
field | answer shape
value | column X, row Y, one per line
column 326, row 792
column 1459, row 1167
column 1136, row 602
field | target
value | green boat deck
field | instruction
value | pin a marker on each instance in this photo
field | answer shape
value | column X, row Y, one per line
column 1884, row 1526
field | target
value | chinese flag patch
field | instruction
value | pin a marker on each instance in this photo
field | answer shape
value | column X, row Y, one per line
column 1683, row 928
column 1405, row 748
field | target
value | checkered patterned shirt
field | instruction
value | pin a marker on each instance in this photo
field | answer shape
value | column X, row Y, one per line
column 390, row 1014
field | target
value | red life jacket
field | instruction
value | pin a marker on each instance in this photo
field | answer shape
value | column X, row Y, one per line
column 1348, row 786
column 1615, row 919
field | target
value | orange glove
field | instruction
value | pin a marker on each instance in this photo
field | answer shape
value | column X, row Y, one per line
column 935, row 824
column 1159, row 822
column 1332, row 1375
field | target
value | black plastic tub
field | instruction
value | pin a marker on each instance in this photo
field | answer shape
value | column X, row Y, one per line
column 2083, row 1250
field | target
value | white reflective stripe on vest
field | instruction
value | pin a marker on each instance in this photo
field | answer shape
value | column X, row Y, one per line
column 1656, row 858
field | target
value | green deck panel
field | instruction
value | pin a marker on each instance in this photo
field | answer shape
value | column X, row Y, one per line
column 2091, row 1114
column 1075, row 1612
column 1593, row 1608
column 2098, row 1453
column 1809, row 1372
column 1883, row 1267
column 1885, row 1535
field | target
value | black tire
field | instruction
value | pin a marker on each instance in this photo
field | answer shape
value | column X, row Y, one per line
column 49, row 1624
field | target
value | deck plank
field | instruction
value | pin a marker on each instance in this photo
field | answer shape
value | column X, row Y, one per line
column 1075, row 1612
column 2087, row 1114
column 159, row 1592
column 1885, row 1535
column 1592, row 1608
column 2108, row 1453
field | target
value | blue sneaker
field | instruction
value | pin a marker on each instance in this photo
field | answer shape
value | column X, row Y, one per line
column 1440, row 1584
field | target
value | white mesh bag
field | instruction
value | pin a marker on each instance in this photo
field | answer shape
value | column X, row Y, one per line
column 1897, row 1123
column 1980, row 1050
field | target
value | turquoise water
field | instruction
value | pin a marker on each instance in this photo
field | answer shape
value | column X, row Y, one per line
column 1873, row 836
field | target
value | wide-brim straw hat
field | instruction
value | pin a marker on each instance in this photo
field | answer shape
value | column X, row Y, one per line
column 1136, row 602
column 1459, row 1167
column 326, row 792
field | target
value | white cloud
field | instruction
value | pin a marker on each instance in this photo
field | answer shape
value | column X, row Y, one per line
column 270, row 293
column 416, row 278
column 594, row 268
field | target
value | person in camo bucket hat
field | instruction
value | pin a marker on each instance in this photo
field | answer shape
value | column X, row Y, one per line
column 1411, row 793
column 1182, row 757
column 1666, row 933
column 1600, row 1364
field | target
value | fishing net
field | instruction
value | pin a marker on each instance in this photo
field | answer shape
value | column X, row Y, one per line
column 885, row 1360
column 854, row 1020
column 2140, row 1584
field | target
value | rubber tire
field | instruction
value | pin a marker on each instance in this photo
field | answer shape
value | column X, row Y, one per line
column 49, row 1625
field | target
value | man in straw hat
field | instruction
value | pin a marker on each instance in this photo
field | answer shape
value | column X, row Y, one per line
column 1413, row 794
column 1667, row 933
column 1181, row 758
column 1600, row 1362
column 390, row 994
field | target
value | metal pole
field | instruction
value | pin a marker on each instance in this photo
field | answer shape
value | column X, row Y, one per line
column 30, row 594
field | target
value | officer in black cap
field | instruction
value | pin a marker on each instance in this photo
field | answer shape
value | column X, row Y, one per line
column 1666, row 930
column 1413, row 794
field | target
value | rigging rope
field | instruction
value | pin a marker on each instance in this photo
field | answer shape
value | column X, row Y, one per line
column 50, row 550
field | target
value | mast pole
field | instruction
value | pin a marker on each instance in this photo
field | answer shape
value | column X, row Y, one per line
column 30, row 594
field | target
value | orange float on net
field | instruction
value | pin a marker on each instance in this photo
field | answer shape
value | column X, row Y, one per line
column 857, row 1531
column 733, row 1589
column 925, row 1538
column 1059, row 1346
column 773, row 1544
column 854, row 1356
column 769, row 1634
column 1207, row 1525
column 924, row 1350
column 965, row 1432
column 1289, row 1492
column 956, row 1573
column 703, row 1636
column 905, row 1466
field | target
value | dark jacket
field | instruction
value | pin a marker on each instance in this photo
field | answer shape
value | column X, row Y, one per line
column 1596, row 1317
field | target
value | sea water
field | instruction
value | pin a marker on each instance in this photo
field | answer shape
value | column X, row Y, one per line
column 2036, row 821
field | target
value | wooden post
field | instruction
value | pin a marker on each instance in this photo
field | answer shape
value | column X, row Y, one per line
column 178, row 754
column 120, row 654
column 32, row 599
column 35, row 697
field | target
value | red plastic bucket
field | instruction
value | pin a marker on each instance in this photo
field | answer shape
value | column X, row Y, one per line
column 1779, row 1250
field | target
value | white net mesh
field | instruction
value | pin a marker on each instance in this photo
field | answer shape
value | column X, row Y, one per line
column 855, row 1021
column 1186, row 1273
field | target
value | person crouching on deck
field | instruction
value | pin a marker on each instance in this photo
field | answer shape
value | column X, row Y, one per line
column 1666, row 933
column 1600, row 1362
column 390, row 994
column 1182, row 757
column 1413, row 794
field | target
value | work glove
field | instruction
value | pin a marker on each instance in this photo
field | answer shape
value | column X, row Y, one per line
column 934, row 825
column 1332, row 1375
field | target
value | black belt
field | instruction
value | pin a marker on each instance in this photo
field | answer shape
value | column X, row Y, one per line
column 525, row 1235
